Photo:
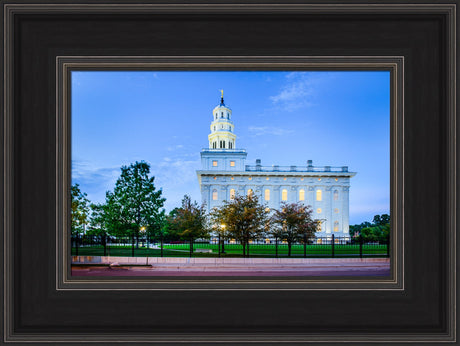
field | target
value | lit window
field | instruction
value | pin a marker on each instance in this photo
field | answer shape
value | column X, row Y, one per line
column 268, row 178
column 284, row 195
column 214, row 163
column 214, row 195
column 302, row 195
column 336, row 226
column 336, row 179
column 319, row 179
column 267, row 194
column 232, row 163
column 250, row 193
column 250, row 178
column 215, row 178
column 319, row 195
column 319, row 211
column 319, row 241
column 336, row 210
column 267, row 209
column 336, row 195
column 301, row 179
column 284, row 178
column 232, row 178
column 232, row 194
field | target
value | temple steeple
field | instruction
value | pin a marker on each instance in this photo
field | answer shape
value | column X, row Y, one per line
column 222, row 129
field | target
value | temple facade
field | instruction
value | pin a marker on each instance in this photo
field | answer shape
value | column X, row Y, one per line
column 225, row 173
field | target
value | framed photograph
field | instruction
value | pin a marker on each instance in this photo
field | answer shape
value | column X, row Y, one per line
column 108, row 103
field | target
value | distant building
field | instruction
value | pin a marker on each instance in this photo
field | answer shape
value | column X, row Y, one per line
column 224, row 174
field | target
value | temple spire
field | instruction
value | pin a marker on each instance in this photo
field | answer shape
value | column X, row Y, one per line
column 222, row 134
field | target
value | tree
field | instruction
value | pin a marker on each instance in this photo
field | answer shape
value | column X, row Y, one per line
column 244, row 219
column 189, row 221
column 381, row 220
column 135, row 203
column 294, row 222
column 79, row 210
column 366, row 232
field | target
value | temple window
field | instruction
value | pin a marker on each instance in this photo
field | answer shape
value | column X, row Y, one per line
column 319, row 195
column 214, row 195
column 336, row 195
column 284, row 195
column 267, row 194
column 302, row 195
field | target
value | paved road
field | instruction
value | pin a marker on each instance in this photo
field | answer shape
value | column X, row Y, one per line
column 315, row 271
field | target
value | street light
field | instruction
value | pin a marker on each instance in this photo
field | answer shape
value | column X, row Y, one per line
column 222, row 226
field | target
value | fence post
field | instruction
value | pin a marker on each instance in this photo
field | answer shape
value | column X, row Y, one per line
column 132, row 242
column 333, row 245
column 360, row 248
column 76, row 244
column 218, row 245
column 304, row 246
column 105, row 244
column 191, row 247
column 388, row 248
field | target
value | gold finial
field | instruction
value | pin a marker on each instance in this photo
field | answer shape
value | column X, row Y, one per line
column 222, row 93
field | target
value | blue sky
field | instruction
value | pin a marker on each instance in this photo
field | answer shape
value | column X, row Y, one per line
column 284, row 118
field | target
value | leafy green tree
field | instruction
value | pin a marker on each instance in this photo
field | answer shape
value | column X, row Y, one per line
column 79, row 210
column 189, row 221
column 293, row 222
column 381, row 220
column 135, row 202
column 244, row 219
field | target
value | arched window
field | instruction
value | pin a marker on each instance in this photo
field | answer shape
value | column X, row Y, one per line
column 319, row 195
column 214, row 195
column 336, row 226
column 284, row 195
column 336, row 195
column 214, row 128
column 250, row 193
column 224, row 144
column 232, row 194
column 221, row 114
column 230, row 145
column 228, row 115
column 302, row 195
column 267, row 194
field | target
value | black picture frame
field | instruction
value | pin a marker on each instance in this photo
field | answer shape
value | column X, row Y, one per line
column 39, row 307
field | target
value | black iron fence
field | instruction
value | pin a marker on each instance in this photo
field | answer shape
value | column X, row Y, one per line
column 329, row 246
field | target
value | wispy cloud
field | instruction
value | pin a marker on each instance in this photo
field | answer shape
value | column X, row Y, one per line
column 268, row 130
column 95, row 181
column 298, row 91
column 177, row 176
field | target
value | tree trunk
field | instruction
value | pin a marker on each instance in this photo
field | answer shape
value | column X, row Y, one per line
column 289, row 248
column 191, row 247
column 248, row 251
column 161, row 246
column 244, row 249
column 276, row 247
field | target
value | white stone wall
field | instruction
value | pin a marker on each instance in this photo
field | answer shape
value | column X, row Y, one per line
column 331, row 210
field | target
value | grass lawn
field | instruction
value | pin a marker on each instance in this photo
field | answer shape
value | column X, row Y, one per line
column 234, row 250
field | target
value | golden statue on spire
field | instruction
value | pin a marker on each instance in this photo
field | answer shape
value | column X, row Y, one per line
column 222, row 93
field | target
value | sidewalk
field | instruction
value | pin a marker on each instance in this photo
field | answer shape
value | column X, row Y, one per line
column 97, row 265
